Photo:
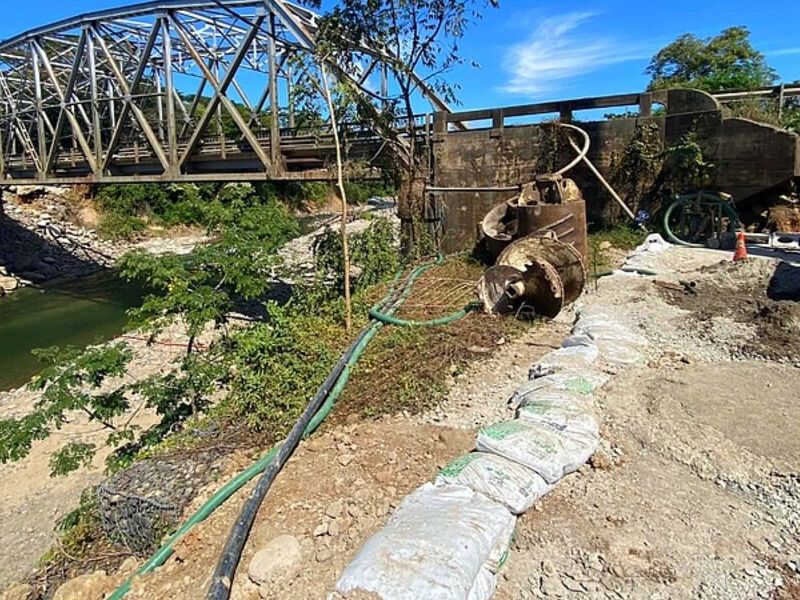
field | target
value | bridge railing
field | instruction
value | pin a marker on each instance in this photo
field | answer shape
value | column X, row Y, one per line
column 496, row 118
column 564, row 109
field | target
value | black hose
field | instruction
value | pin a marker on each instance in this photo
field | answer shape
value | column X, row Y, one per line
column 223, row 574
column 225, row 570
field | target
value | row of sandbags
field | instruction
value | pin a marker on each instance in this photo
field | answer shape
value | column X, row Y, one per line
column 448, row 539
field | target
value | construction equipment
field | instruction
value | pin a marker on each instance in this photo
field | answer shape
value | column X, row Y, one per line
column 549, row 204
column 534, row 276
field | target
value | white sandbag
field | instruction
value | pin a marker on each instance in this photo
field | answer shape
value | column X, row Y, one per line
column 501, row 549
column 572, row 381
column 434, row 547
column 606, row 332
column 484, row 586
column 549, row 452
column 653, row 244
column 559, row 397
column 508, row 483
column 578, row 341
column 620, row 353
column 583, row 382
column 561, row 410
column 582, row 379
column 609, row 331
column 572, row 357
column 617, row 344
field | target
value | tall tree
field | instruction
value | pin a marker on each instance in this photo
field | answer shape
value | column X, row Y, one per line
column 724, row 61
column 411, row 45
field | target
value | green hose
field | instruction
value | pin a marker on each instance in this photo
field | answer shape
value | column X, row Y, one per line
column 446, row 320
column 333, row 397
column 726, row 208
column 235, row 484
column 228, row 490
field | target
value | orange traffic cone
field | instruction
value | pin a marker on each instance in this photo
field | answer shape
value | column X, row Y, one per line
column 741, row 249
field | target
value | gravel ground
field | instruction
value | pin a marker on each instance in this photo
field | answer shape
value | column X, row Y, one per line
column 696, row 493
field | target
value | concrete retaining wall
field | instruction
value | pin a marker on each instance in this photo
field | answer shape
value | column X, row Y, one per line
column 750, row 157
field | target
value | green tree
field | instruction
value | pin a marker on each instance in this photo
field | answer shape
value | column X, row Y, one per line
column 724, row 61
column 88, row 382
column 201, row 289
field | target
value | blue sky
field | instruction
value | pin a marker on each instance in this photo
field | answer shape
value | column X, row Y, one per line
column 532, row 51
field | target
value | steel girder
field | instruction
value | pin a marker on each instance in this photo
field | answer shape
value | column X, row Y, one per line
column 164, row 91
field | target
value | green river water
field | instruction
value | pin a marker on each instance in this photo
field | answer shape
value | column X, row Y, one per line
column 70, row 313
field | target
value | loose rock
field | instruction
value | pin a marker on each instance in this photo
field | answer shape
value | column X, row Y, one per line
column 278, row 559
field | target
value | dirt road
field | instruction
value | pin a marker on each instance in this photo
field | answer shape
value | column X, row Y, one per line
column 697, row 493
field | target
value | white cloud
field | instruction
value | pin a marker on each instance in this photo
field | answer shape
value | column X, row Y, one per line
column 556, row 52
column 783, row 52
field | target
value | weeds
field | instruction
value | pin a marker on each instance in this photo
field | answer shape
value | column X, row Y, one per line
column 77, row 532
column 604, row 244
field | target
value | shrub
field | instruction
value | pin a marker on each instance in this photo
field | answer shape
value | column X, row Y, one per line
column 126, row 210
column 373, row 255
column 277, row 366
column 120, row 227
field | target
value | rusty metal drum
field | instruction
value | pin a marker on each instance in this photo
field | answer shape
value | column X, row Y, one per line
column 567, row 221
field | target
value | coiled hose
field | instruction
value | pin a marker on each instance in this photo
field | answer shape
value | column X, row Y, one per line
column 733, row 218
column 340, row 375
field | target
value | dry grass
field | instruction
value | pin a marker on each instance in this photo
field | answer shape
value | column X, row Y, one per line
column 407, row 369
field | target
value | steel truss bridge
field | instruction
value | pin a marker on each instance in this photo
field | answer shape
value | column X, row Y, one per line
column 176, row 91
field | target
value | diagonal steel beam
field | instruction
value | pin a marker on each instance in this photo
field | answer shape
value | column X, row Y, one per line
column 198, row 96
column 220, row 87
column 65, row 96
column 129, row 105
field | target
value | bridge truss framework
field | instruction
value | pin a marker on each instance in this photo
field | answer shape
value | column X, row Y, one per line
column 172, row 91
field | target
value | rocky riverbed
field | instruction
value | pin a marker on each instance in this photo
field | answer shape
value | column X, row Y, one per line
column 41, row 239
column 40, row 242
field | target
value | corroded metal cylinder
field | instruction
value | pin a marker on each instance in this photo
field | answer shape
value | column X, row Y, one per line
column 567, row 221
column 561, row 258
column 550, row 204
column 541, row 273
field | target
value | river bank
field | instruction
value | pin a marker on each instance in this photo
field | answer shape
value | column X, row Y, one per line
column 31, row 511
column 46, row 235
